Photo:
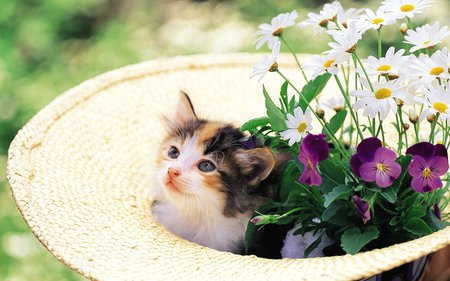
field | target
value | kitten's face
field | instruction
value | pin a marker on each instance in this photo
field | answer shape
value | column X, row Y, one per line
column 202, row 162
column 187, row 169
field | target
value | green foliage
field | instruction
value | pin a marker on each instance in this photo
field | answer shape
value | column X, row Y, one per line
column 354, row 239
column 311, row 90
column 337, row 121
column 276, row 117
column 255, row 123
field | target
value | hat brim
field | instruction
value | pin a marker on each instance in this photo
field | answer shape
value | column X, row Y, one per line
column 79, row 172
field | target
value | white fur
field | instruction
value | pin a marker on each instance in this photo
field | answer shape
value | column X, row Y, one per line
column 196, row 214
column 295, row 245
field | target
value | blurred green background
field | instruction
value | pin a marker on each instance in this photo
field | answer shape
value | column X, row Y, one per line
column 49, row 46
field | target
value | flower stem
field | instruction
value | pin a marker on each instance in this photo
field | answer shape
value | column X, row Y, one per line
column 381, row 129
column 433, row 126
column 379, row 43
column 324, row 125
column 347, row 101
column 364, row 70
column 295, row 57
column 400, row 115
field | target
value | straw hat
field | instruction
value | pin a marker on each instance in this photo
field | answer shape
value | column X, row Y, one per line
column 79, row 174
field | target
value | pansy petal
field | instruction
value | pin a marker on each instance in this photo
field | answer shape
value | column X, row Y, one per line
column 439, row 165
column 366, row 149
column 355, row 164
column 368, row 171
column 424, row 149
column 417, row 165
column 383, row 179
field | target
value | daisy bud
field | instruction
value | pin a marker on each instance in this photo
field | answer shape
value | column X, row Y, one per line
column 403, row 28
column 406, row 126
column 274, row 67
column 319, row 111
column 399, row 102
column 413, row 117
column 431, row 118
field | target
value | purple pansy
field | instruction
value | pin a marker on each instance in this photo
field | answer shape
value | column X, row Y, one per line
column 248, row 142
column 362, row 208
column 313, row 149
column 364, row 153
column 375, row 163
column 429, row 163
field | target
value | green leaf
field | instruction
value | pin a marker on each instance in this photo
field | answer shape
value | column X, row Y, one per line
column 312, row 246
column 353, row 239
column 338, row 192
column 389, row 194
column 254, row 123
column 311, row 90
column 337, row 121
column 395, row 221
column 277, row 119
column 434, row 222
column 249, row 234
column 283, row 94
column 404, row 162
column 417, row 226
column 336, row 213
column 332, row 171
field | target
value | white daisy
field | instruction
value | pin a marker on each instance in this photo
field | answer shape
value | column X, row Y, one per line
column 320, row 64
column 436, row 99
column 381, row 100
column 345, row 17
column 324, row 19
column 378, row 19
column 390, row 65
column 405, row 8
column 425, row 69
column 318, row 21
column 268, row 64
column 335, row 103
column 271, row 32
column 444, row 55
column 426, row 36
column 345, row 41
column 298, row 125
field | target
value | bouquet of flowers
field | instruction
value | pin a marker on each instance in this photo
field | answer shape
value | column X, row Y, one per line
column 349, row 180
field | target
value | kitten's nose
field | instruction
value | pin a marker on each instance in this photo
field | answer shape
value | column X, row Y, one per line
column 173, row 172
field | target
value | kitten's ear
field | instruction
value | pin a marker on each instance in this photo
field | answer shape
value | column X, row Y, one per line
column 256, row 164
column 185, row 111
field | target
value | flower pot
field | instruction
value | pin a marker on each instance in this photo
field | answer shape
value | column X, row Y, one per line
column 79, row 174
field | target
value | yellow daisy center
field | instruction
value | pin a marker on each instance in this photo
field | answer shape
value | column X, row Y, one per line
column 440, row 106
column 407, row 8
column 383, row 93
column 426, row 173
column 384, row 68
column 328, row 63
column 381, row 167
column 302, row 127
column 436, row 71
column 377, row 20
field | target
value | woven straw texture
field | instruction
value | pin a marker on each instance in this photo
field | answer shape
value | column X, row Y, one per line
column 79, row 174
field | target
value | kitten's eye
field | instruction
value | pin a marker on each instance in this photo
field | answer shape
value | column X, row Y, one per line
column 206, row 166
column 173, row 152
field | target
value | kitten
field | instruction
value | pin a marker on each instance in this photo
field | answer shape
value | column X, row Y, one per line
column 207, row 183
